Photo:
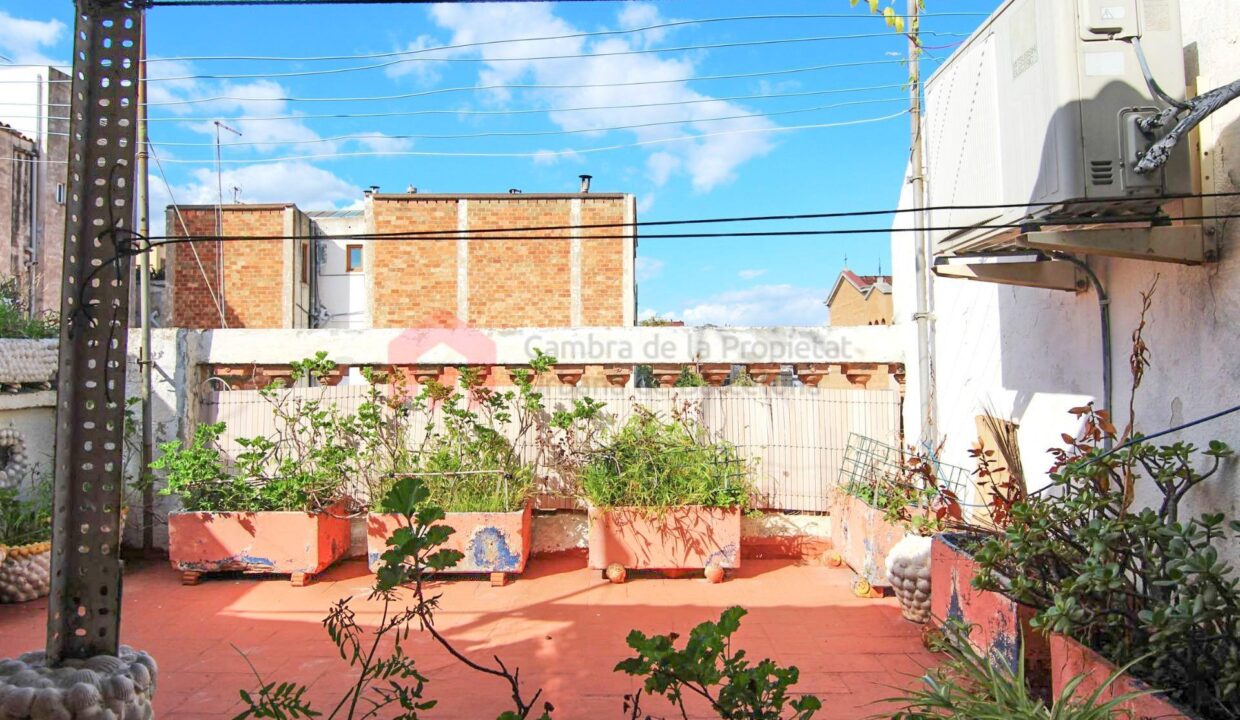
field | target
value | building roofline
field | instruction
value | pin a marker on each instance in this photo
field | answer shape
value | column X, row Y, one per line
column 882, row 283
column 500, row 196
column 14, row 131
column 237, row 206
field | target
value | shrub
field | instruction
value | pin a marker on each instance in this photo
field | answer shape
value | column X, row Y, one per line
column 708, row 668
column 1146, row 586
column 16, row 321
column 648, row 462
column 26, row 518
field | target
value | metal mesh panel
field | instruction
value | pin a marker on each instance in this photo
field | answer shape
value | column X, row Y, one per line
column 869, row 462
column 84, row 607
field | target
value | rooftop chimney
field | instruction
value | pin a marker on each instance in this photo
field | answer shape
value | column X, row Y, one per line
column 514, row 191
column 411, row 190
column 585, row 183
column 374, row 189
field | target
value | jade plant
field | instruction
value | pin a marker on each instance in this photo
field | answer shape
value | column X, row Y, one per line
column 1146, row 586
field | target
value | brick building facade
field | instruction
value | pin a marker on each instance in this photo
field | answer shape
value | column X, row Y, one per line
column 472, row 270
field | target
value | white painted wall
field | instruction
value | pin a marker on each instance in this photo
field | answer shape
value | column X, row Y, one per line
column 33, row 416
column 342, row 293
column 1032, row 354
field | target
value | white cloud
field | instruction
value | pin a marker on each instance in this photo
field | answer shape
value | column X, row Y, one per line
column 637, row 15
column 648, row 268
column 21, row 40
column 751, row 273
column 707, row 161
column 381, row 142
column 551, row 157
column 760, row 306
column 416, row 65
column 645, row 202
column 310, row 187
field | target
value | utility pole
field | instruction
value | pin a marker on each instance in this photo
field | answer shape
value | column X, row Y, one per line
column 85, row 601
column 143, row 205
column 925, row 332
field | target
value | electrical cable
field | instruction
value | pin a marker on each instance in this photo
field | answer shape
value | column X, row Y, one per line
column 765, row 218
column 536, row 58
column 542, row 38
column 454, row 235
column 521, row 86
column 518, row 111
column 543, row 153
column 536, row 133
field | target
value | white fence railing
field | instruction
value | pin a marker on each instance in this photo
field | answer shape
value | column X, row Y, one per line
column 794, row 436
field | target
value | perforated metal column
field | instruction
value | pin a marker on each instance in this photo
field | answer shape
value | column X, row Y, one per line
column 84, row 607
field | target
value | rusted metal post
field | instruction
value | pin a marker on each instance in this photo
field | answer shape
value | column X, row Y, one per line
column 85, row 602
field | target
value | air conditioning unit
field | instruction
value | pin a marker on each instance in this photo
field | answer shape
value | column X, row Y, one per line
column 1038, row 110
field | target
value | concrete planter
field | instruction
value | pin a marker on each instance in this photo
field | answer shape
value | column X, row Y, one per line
column 28, row 361
column 1070, row 659
column 299, row 544
column 861, row 537
column 1001, row 628
column 497, row 543
column 681, row 538
column 25, row 572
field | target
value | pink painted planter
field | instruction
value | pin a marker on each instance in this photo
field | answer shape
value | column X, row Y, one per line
column 1070, row 659
column 295, row 543
column 862, row 537
column 665, row 539
column 490, row 542
column 1001, row 627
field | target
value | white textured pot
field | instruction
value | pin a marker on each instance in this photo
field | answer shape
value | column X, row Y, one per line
column 908, row 570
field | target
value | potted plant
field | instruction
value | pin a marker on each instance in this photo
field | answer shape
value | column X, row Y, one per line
column 1144, row 588
column 1001, row 628
column 882, row 519
column 662, row 495
column 280, row 510
column 473, row 471
column 25, row 541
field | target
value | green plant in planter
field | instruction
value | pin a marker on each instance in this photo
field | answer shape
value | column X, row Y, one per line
column 708, row 668
column 969, row 685
column 650, row 463
column 1141, row 586
column 388, row 683
column 470, row 461
column 16, row 320
column 910, row 495
column 26, row 517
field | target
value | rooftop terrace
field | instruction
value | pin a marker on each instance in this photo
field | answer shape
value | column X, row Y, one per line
column 562, row 624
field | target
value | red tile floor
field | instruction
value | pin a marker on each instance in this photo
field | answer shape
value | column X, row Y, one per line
column 561, row 624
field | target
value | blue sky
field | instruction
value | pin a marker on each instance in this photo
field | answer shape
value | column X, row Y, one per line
column 736, row 166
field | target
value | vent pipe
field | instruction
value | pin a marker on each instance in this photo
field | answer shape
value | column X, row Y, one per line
column 585, row 183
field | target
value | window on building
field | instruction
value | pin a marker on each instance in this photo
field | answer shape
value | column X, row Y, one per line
column 305, row 263
column 353, row 258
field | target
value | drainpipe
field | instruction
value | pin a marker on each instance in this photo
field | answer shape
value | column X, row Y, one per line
column 925, row 331
column 1104, row 312
column 37, row 174
column 143, row 205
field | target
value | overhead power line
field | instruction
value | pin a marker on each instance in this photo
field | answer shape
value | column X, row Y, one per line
column 538, row 133
column 454, row 235
column 541, row 38
column 509, row 86
column 538, row 58
column 511, row 111
column 542, row 153
column 1118, row 202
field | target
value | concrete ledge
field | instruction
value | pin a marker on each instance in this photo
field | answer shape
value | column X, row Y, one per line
column 602, row 345
column 26, row 400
